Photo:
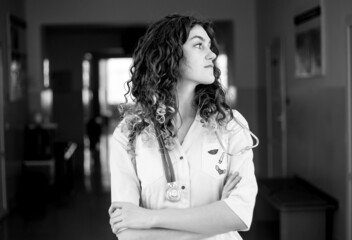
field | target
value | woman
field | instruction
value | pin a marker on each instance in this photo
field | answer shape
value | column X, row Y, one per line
column 181, row 149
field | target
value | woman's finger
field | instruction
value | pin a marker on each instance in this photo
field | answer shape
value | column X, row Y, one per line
column 231, row 178
column 233, row 183
column 230, row 184
column 112, row 209
column 114, row 221
column 116, row 218
column 116, row 226
column 117, row 212
column 235, row 174
column 114, row 206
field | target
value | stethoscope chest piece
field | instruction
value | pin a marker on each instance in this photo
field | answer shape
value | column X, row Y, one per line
column 173, row 193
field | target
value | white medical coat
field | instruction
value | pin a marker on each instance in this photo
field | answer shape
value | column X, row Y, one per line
column 194, row 163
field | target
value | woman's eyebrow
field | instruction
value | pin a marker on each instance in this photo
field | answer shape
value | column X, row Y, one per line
column 199, row 37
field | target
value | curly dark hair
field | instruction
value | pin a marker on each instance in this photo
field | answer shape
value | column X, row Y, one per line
column 155, row 72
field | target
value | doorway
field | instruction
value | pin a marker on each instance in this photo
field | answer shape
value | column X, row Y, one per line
column 114, row 72
column 105, row 74
column 3, row 203
column 276, row 109
column 349, row 127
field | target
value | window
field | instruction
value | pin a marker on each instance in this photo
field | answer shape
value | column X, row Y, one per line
column 114, row 73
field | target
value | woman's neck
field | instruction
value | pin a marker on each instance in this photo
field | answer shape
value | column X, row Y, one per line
column 185, row 94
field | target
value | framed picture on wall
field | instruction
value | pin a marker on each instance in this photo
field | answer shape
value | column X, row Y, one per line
column 17, row 57
column 308, row 43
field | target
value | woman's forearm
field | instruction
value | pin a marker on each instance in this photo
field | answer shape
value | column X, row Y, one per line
column 212, row 219
column 156, row 234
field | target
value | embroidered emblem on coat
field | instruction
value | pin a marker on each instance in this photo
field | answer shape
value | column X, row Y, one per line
column 213, row 152
column 220, row 171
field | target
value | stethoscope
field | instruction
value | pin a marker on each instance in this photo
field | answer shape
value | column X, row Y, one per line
column 173, row 193
column 243, row 150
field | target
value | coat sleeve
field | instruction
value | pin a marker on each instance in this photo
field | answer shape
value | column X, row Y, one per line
column 125, row 185
column 242, row 199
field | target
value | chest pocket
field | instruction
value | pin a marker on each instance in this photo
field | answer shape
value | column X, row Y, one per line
column 214, row 158
column 149, row 164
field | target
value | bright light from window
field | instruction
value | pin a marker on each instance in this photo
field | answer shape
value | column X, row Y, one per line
column 86, row 95
column 118, row 73
column 46, row 99
column 222, row 65
column 46, row 71
column 85, row 73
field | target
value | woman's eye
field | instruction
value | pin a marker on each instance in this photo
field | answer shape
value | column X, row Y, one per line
column 198, row 45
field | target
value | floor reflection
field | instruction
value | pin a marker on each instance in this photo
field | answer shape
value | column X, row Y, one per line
column 96, row 166
column 80, row 214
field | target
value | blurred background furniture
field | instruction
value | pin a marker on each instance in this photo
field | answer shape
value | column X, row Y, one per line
column 305, row 212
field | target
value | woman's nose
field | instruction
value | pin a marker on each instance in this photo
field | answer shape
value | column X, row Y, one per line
column 211, row 55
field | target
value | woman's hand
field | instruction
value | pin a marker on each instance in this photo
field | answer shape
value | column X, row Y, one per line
column 127, row 215
column 230, row 184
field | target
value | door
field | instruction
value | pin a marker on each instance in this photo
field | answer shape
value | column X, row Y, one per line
column 276, row 109
column 349, row 124
column 3, row 204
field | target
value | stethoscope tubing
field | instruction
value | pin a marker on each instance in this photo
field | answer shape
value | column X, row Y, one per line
column 167, row 164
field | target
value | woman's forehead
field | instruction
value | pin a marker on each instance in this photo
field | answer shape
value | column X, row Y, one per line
column 198, row 32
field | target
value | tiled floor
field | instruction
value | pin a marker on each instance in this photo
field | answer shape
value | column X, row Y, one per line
column 80, row 214
column 83, row 217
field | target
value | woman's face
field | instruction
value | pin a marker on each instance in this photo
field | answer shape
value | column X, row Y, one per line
column 197, row 65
